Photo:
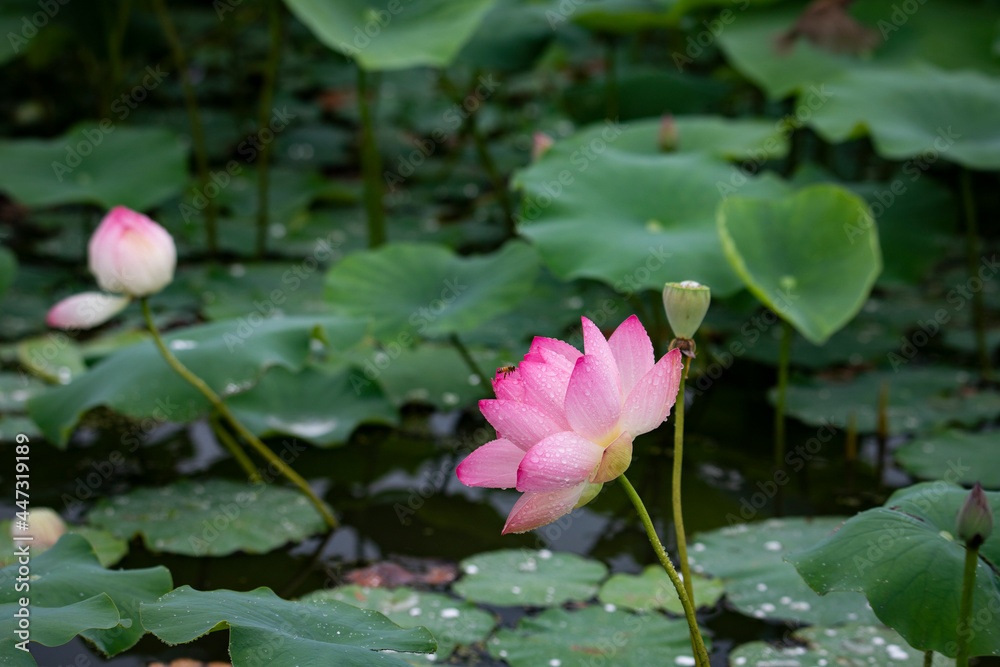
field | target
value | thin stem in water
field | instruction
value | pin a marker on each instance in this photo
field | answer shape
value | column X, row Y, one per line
column 229, row 442
column 263, row 118
column 928, row 658
column 371, row 165
column 469, row 361
column 697, row 643
column 965, row 605
column 784, row 357
column 240, row 429
column 482, row 150
column 972, row 264
column 676, row 484
column 197, row 131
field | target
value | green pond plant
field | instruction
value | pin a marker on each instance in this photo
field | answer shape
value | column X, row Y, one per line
column 686, row 304
column 565, row 422
column 973, row 525
column 133, row 257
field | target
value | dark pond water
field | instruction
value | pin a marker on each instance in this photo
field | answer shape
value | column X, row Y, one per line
column 399, row 500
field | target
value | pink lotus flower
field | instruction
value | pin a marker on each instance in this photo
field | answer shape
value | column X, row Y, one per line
column 128, row 254
column 565, row 421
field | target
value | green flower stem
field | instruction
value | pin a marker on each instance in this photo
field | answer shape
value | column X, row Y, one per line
column 972, row 262
column 242, row 430
column 697, row 644
column 229, row 442
column 371, row 165
column 469, row 361
column 965, row 605
column 682, row 550
column 197, row 131
column 263, row 118
column 928, row 658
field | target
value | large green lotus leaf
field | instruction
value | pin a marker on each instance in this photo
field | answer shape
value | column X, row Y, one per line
column 434, row 374
column 794, row 256
column 749, row 44
column 266, row 630
column 594, row 636
column 54, row 626
column 632, row 221
column 128, row 166
column 54, row 357
column 851, row 645
column 70, row 573
column 750, row 560
column 109, row 549
column 916, row 218
column 452, row 622
column 511, row 37
column 919, row 399
column 905, row 37
column 955, row 455
column 394, row 35
column 212, row 518
column 522, row 577
column 918, row 111
column 322, row 408
column 729, row 138
column 230, row 356
column 653, row 590
column 412, row 289
column 904, row 558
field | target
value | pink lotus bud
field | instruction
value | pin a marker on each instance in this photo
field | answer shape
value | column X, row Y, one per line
column 668, row 137
column 540, row 146
column 974, row 522
column 85, row 311
column 44, row 525
column 131, row 254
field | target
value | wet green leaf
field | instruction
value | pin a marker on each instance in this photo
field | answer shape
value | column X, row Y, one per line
column 68, row 574
column 750, row 560
column 216, row 517
column 958, row 456
column 101, row 164
column 904, row 558
column 452, row 622
column 264, row 628
column 513, row 577
column 811, row 257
